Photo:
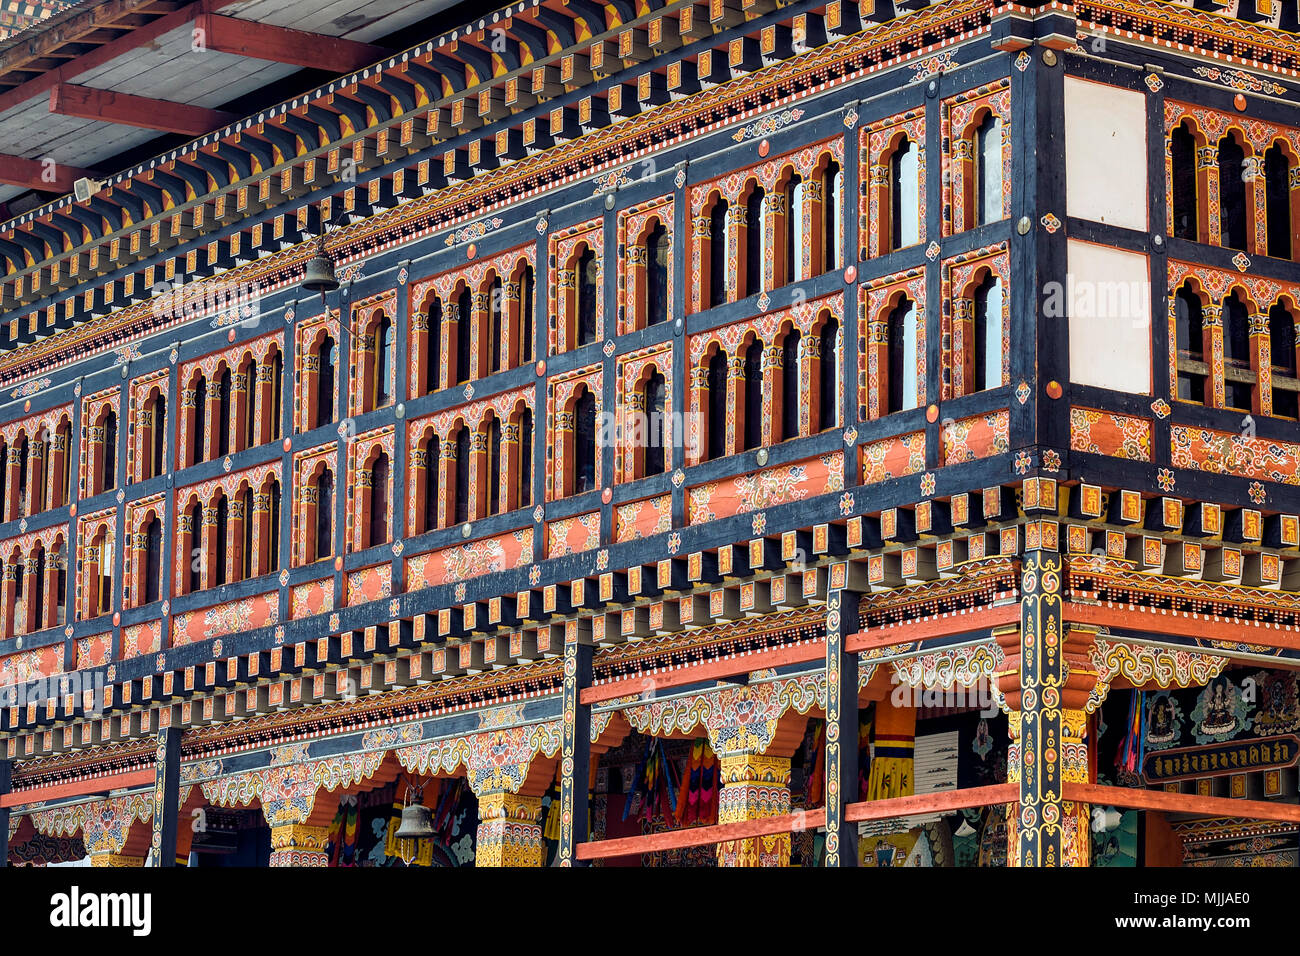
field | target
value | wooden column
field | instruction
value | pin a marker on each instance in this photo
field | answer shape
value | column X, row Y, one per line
column 811, row 397
column 189, row 421
column 13, row 465
column 425, row 379
column 89, row 590
column 5, row 787
column 1212, row 329
column 234, row 556
column 841, row 751
column 267, row 414
column 240, row 395
column 212, row 416
column 308, row 386
column 735, row 405
column 754, row 786
column 697, row 443
column 166, row 797
column 54, row 473
column 447, row 464
column 774, row 272
column 261, row 519
column 31, row 612
column 480, row 361
column 773, row 373
column 508, row 489
column 299, row 844
column 1207, row 170
column 209, row 556
column 49, row 613
column 35, row 476
column 575, row 747
column 478, row 475
column 737, row 227
column 419, row 469
column 1261, row 361
column 509, row 830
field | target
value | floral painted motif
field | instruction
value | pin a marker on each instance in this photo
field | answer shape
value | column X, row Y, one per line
column 766, row 488
column 1108, row 433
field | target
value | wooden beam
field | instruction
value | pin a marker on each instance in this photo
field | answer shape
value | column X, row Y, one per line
column 127, row 109
column 941, row 625
column 1138, row 799
column 1181, row 624
column 700, row 836
column 34, row 174
column 713, row 670
column 262, row 41
column 77, row 788
column 927, row 803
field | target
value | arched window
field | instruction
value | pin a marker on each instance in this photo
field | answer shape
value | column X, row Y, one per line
column 718, row 247
column 584, row 458
column 277, row 393
column 152, row 560
column 462, row 474
column 383, row 362
column 223, row 540
column 791, row 396
column 24, row 485
column 1182, row 148
column 105, row 574
column 655, row 398
column 325, row 383
column 755, row 240
column 829, row 399
column 988, row 170
column 588, row 289
column 1233, row 218
column 464, row 312
column 527, row 307
column 379, row 475
column 525, row 458
column 1281, row 336
column 905, row 195
column 273, row 549
column 248, row 436
column 4, row 476
column 324, row 514
column 38, row 599
column 223, row 405
column 433, row 348
column 432, row 450
column 60, row 599
column 1189, row 335
column 64, row 485
column 754, row 394
column 986, row 344
column 656, row 275
column 494, row 466
column 795, row 255
column 496, row 311
column 1237, row 374
column 903, row 385
column 717, row 380
column 247, row 563
column 1277, row 200
column 832, row 206
column 157, row 435
column 194, row 579
column 197, row 448
column 109, row 476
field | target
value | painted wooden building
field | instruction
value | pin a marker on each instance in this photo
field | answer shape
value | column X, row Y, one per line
column 737, row 432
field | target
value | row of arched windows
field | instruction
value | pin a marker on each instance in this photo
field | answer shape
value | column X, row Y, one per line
column 236, row 408
column 220, row 540
column 33, row 589
column 36, row 469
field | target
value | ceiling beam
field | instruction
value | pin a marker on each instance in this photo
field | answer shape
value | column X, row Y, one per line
column 127, row 109
column 34, row 174
column 262, row 41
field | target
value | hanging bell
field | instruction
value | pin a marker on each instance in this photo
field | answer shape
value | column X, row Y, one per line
column 319, row 275
column 417, row 823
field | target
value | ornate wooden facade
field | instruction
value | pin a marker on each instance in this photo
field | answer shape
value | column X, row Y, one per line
column 699, row 370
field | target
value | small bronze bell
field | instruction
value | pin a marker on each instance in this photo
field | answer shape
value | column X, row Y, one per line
column 417, row 823
column 319, row 275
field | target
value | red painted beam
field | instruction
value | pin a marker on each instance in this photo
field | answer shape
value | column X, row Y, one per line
column 116, row 781
column 262, row 41
column 34, row 174
column 1180, row 624
column 128, row 109
column 926, row 803
column 941, row 625
column 1137, row 799
column 713, row 670
column 700, row 836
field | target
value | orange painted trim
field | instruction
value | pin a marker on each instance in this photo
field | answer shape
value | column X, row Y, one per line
column 77, row 788
column 925, row 803
column 1175, row 624
column 943, row 625
column 700, row 836
column 713, row 670
column 1136, row 799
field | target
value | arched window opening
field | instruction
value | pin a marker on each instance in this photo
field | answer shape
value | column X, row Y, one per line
column 196, row 558
column 384, row 362
column 1238, row 377
column 277, row 393
column 158, row 435
column 755, row 240
column 905, row 195
column 38, row 599
column 1182, row 147
column 584, row 459
column 379, row 476
column 462, row 474
column 4, row 475
column 24, row 485
column 223, row 418
column 588, row 289
column 1189, row 336
column 718, row 248
column 987, row 338
column 527, row 307
column 432, row 450
column 717, row 380
column 105, row 575
column 324, row 514
column 223, row 540
column 988, row 170
column 791, row 396
column 432, row 357
column 60, row 599
column 903, row 384
column 1277, row 201
column 795, row 254
column 246, row 530
column 829, row 399
column 1233, row 219
column 656, row 275
column 496, row 322
column 325, row 383
column 109, row 476
column 832, row 211
column 248, row 424
column 1282, row 351
column 494, row 466
column 65, row 479
column 653, row 434
column 152, row 561
column 198, row 449
column 525, row 458
column 464, row 312
column 754, row 395
column 273, row 549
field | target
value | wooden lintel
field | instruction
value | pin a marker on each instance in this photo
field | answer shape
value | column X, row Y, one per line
column 127, row 109
column 116, row 781
column 1139, row 799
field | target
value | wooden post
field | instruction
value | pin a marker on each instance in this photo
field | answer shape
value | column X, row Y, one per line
column 841, row 750
column 5, row 785
column 575, row 757
column 166, row 797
